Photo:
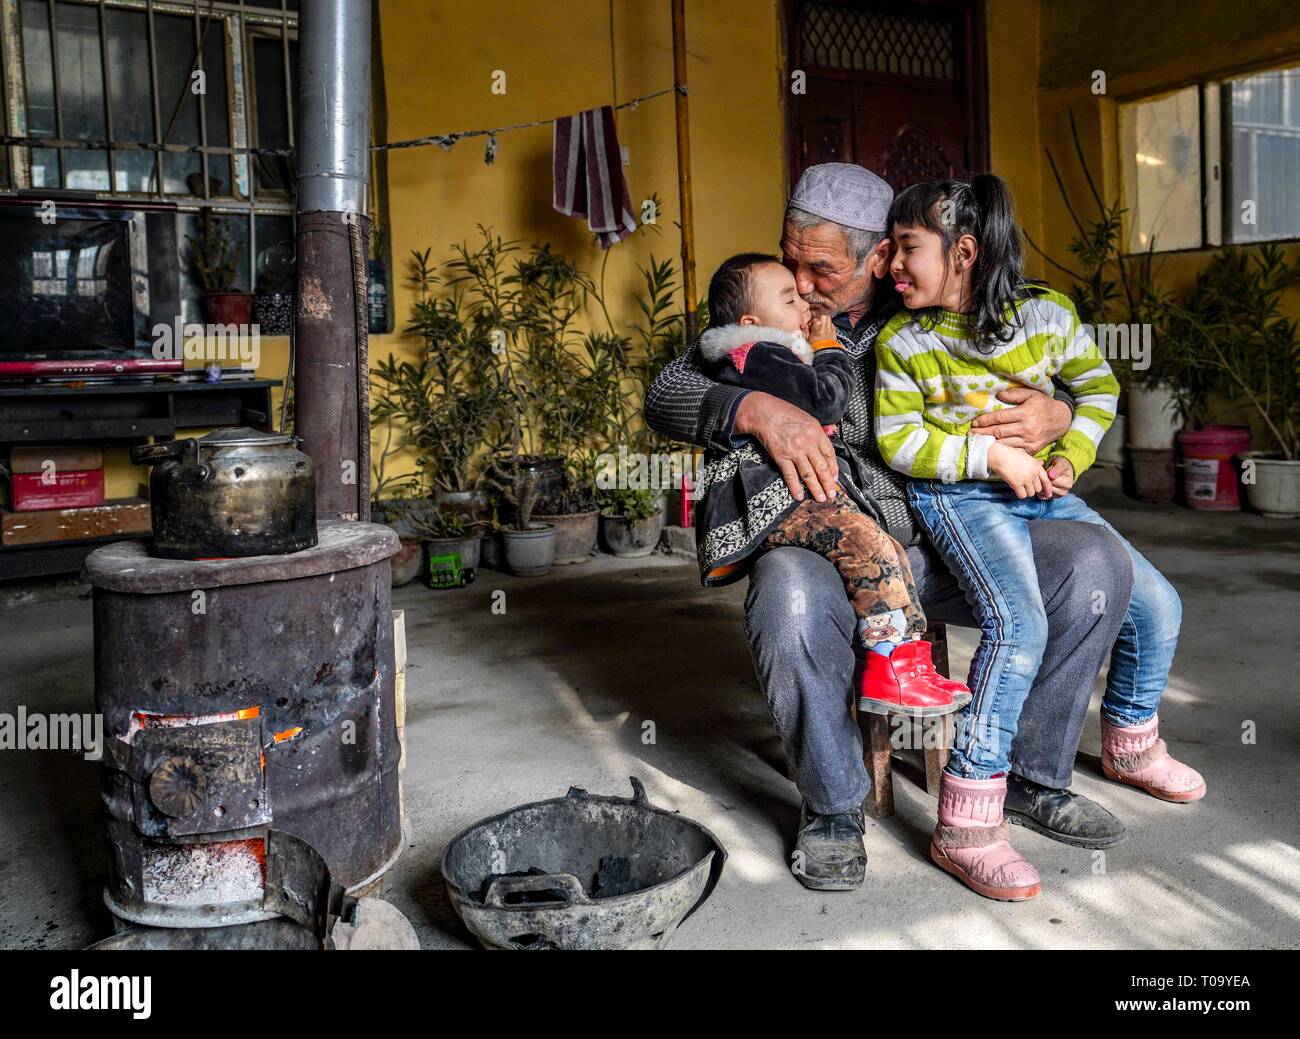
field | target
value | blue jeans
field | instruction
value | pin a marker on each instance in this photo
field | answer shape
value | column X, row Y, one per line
column 805, row 657
column 981, row 531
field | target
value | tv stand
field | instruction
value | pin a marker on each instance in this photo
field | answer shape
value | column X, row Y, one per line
column 114, row 415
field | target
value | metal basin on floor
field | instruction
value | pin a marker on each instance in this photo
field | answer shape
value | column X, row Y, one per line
column 581, row 872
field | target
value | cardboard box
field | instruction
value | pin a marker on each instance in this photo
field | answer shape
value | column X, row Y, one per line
column 60, row 489
column 49, row 477
column 122, row 516
column 64, row 459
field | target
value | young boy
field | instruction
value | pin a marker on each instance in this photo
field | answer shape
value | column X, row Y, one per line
column 757, row 340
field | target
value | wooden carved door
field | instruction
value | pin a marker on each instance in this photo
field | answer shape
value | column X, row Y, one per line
column 897, row 87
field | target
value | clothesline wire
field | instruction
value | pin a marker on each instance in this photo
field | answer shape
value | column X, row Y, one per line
column 443, row 140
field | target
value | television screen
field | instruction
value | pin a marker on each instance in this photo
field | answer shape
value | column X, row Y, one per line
column 66, row 287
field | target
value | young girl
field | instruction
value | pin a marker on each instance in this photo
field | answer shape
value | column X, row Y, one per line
column 973, row 327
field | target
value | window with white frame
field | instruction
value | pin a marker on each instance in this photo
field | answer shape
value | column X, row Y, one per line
column 1214, row 163
column 196, row 73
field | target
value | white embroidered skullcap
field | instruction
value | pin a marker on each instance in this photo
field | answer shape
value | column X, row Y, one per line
column 844, row 193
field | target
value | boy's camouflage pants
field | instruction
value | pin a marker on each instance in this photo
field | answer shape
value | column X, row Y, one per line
column 872, row 564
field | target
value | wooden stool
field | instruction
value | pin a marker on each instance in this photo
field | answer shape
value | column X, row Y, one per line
column 936, row 738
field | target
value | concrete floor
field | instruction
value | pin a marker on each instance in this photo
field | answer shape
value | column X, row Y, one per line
column 504, row 709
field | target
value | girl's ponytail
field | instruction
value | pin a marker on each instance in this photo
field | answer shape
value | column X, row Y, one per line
column 998, row 279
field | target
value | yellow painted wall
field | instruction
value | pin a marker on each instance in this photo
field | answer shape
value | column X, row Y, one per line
column 1015, row 148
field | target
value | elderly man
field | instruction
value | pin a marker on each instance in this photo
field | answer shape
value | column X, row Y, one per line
column 834, row 243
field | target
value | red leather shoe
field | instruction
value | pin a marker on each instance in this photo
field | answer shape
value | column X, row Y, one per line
column 907, row 683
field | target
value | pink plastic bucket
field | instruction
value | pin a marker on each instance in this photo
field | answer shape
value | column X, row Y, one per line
column 1211, row 475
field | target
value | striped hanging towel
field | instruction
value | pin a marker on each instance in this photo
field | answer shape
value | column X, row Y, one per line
column 589, row 177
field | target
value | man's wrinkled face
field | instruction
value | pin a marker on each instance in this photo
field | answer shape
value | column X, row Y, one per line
column 824, row 272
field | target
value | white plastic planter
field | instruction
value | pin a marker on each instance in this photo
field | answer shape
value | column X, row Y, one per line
column 1276, row 490
column 1153, row 419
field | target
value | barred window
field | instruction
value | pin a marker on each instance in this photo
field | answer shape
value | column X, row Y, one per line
column 208, row 75
column 1213, row 163
column 861, row 39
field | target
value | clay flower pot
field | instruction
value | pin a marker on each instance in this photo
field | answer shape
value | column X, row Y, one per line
column 529, row 553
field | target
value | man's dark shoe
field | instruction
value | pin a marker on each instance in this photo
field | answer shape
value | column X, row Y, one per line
column 1061, row 815
column 829, row 853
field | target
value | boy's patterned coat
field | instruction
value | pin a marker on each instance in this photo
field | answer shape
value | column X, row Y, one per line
column 741, row 496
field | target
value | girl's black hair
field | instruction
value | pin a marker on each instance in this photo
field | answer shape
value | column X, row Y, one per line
column 982, row 208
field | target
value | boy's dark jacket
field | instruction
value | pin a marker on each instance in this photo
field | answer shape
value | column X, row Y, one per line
column 741, row 495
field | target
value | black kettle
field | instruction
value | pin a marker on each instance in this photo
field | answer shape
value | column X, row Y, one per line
column 235, row 492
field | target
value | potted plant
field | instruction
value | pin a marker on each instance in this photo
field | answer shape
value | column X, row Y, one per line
column 631, row 521
column 573, row 513
column 403, row 515
column 528, row 547
column 597, row 392
column 661, row 329
column 215, row 261
column 632, row 518
column 1232, row 337
column 396, row 500
column 448, row 400
column 535, row 310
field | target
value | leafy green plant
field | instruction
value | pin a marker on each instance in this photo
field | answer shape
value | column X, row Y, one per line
column 662, row 331
column 506, row 369
column 631, row 505
column 212, row 255
column 548, row 373
column 390, row 486
column 449, row 400
column 1231, row 336
column 440, row 524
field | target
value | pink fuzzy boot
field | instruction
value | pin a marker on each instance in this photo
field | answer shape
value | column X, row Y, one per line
column 1136, row 755
column 971, row 843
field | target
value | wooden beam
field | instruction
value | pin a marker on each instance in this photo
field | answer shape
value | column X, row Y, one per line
column 684, row 166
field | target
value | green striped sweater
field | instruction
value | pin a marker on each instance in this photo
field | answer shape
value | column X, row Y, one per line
column 931, row 384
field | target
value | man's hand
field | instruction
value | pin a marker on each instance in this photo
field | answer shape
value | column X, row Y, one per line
column 794, row 440
column 1036, row 421
column 1060, row 473
column 821, row 327
column 1022, row 472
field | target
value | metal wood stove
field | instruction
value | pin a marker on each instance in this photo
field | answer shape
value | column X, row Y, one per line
column 240, row 695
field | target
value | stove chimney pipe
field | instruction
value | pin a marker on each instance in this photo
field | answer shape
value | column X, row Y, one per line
column 331, row 370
